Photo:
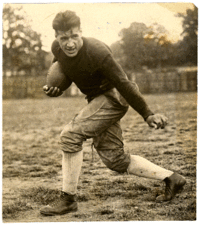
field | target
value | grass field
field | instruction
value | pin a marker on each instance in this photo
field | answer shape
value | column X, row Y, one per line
column 32, row 162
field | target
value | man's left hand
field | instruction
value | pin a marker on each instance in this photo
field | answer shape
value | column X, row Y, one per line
column 157, row 121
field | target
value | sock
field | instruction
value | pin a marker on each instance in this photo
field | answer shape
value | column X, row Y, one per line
column 71, row 168
column 140, row 166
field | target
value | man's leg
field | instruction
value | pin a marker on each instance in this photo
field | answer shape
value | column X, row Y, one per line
column 94, row 119
column 142, row 167
column 109, row 146
column 71, row 168
column 90, row 122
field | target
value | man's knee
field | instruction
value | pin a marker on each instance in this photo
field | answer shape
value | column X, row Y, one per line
column 71, row 139
column 119, row 164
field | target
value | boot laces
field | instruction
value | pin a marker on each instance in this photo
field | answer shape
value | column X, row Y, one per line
column 168, row 190
column 60, row 200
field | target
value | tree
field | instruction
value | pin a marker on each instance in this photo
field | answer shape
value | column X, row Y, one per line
column 158, row 46
column 133, row 45
column 144, row 46
column 22, row 47
column 190, row 32
column 118, row 52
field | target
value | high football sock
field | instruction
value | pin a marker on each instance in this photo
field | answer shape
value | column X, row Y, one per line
column 140, row 166
column 71, row 168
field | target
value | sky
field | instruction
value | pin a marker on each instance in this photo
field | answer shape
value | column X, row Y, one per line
column 104, row 20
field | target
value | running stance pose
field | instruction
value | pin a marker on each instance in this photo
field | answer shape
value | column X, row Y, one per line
column 89, row 63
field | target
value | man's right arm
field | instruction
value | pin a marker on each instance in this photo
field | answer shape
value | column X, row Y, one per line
column 53, row 91
column 55, row 49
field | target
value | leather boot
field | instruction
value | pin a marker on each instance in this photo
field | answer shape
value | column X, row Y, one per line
column 173, row 184
column 65, row 204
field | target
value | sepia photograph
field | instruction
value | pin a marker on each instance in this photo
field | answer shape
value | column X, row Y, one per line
column 99, row 112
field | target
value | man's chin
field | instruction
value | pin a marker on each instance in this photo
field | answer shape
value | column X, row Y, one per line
column 71, row 54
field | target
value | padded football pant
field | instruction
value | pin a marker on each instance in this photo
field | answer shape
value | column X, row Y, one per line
column 100, row 120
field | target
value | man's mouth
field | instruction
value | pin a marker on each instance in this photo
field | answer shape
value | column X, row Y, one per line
column 71, row 49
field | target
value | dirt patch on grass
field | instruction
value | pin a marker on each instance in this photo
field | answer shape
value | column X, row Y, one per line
column 32, row 162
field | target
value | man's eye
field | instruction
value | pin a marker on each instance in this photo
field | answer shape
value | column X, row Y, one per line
column 64, row 38
column 75, row 35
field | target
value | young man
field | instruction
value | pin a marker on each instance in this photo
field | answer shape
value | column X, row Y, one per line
column 90, row 65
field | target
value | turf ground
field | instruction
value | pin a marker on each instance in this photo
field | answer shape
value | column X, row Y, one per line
column 32, row 162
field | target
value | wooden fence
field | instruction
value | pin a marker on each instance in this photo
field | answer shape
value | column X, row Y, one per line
column 163, row 80
column 157, row 81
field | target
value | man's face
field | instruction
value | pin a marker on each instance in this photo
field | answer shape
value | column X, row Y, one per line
column 70, row 41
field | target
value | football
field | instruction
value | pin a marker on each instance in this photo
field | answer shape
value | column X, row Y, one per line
column 56, row 78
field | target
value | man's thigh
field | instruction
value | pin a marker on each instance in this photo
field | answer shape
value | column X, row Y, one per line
column 110, row 147
column 101, row 113
column 97, row 116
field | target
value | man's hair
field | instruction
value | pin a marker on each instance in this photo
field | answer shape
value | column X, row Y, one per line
column 64, row 21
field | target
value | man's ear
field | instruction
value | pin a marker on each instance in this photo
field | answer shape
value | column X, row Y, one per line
column 56, row 34
column 80, row 30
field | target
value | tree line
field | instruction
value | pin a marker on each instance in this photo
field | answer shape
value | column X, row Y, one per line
column 22, row 46
column 139, row 45
column 142, row 46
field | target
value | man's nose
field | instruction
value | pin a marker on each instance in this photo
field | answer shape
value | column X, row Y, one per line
column 70, row 43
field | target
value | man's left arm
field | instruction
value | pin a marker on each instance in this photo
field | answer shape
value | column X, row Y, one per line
column 130, row 91
column 157, row 121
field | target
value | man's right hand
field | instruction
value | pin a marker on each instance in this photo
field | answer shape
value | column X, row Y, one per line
column 52, row 91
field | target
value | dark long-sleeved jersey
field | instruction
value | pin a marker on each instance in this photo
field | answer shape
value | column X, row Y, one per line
column 94, row 66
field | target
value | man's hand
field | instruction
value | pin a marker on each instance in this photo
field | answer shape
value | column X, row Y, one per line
column 157, row 121
column 52, row 91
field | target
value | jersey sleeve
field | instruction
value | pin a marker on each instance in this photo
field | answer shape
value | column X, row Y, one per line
column 55, row 49
column 129, row 90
